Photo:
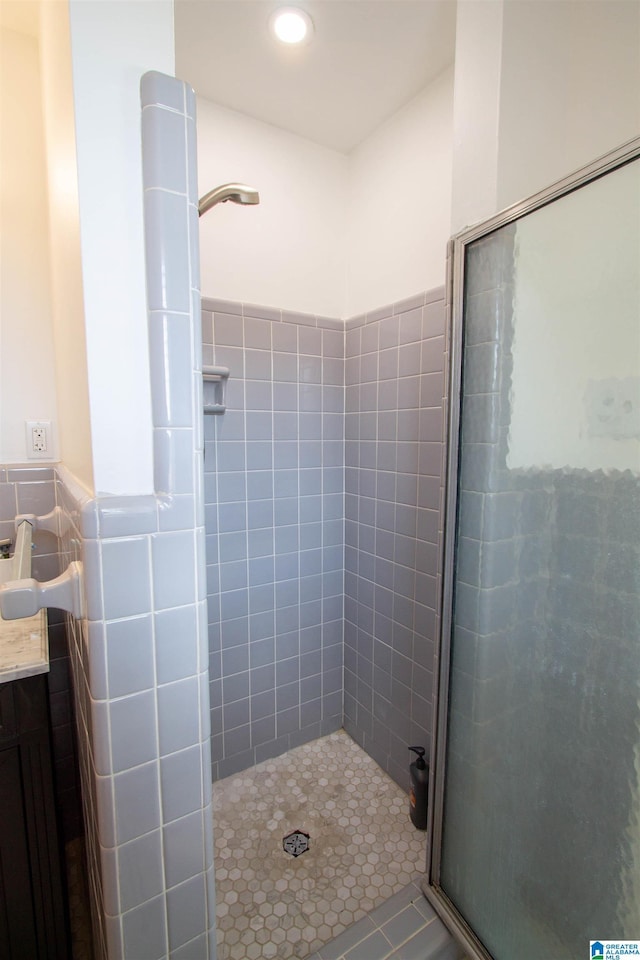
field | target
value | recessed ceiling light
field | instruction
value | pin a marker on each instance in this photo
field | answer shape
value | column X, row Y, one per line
column 291, row 25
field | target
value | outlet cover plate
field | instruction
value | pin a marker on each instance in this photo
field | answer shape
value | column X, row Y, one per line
column 39, row 440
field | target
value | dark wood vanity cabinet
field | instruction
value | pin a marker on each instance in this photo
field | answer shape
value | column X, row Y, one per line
column 32, row 906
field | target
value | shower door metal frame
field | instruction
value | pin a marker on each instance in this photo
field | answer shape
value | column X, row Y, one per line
column 454, row 306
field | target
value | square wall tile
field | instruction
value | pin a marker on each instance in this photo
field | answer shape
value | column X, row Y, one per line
column 144, row 930
column 140, row 870
column 166, row 243
column 137, row 802
column 135, row 713
column 178, row 723
column 181, row 779
column 173, row 569
column 184, row 843
column 176, row 655
column 186, row 911
column 126, row 577
column 129, row 650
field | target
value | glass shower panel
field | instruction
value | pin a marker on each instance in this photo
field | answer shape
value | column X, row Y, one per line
column 541, row 825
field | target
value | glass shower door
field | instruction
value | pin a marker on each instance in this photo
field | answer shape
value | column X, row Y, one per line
column 538, row 783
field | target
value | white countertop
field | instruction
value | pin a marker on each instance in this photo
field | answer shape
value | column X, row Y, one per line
column 24, row 644
column 24, row 647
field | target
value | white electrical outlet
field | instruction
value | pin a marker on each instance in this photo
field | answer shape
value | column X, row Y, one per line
column 39, row 440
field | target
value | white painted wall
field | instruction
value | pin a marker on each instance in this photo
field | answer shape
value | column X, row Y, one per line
column 476, row 111
column 399, row 207
column 112, row 45
column 74, row 430
column 289, row 251
column 27, row 378
column 575, row 399
column 331, row 236
column 540, row 90
column 570, row 89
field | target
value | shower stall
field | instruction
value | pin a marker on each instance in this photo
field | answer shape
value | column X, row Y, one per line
column 322, row 485
column 322, row 494
column 536, row 800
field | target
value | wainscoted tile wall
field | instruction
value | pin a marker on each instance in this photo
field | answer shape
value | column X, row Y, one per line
column 282, row 651
column 26, row 488
column 73, row 501
column 274, row 482
column 394, row 454
column 142, row 742
column 63, row 729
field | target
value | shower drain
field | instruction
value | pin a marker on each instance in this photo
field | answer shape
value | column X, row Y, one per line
column 296, row 843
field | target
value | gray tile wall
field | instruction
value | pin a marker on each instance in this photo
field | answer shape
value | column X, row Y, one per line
column 568, row 612
column 299, row 435
column 489, row 509
column 142, row 717
column 30, row 489
column 63, row 728
column 579, row 605
column 274, row 493
column 395, row 360
column 481, row 713
column 72, row 498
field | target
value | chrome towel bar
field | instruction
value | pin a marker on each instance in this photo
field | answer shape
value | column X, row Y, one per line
column 21, row 568
column 22, row 596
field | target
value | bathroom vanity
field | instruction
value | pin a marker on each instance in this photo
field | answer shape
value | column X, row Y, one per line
column 33, row 922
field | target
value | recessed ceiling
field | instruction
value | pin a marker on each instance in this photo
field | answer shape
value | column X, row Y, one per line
column 366, row 60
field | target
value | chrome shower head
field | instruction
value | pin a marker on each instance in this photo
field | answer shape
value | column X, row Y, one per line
column 236, row 192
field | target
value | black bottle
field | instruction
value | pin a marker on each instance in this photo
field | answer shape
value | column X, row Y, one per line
column 419, row 772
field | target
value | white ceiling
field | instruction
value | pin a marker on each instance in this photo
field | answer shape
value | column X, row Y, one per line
column 366, row 60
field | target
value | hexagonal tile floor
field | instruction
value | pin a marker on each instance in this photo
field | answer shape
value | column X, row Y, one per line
column 363, row 848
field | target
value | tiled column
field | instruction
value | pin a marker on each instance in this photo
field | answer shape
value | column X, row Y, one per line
column 141, row 657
